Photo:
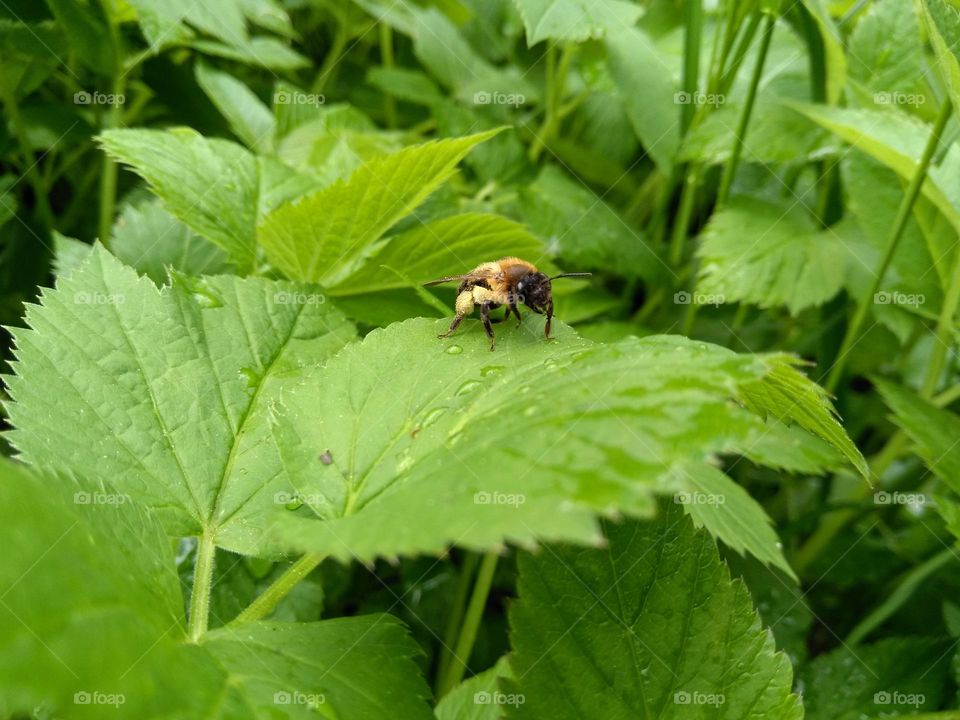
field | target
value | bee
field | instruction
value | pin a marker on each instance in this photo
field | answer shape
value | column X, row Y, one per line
column 508, row 281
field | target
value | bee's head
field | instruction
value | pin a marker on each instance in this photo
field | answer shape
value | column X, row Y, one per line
column 535, row 291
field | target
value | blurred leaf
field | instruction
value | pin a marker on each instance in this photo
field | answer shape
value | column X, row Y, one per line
column 647, row 90
column 26, row 56
column 584, row 231
column 432, row 250
column 177, row 389
column 149, row 239
column 318, row 236
column 89, row 33
column 210, row 185
column 248, row 117
column 942, row 22
column 893, row 676
column 575, row 20
column 478, row 698
column 885, row 52
column 650, row 627
column 835, row 57
column 769, row 255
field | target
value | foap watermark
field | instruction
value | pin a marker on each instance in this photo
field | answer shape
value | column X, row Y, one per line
column 899, row 98
column 699, row 98
column 296, row 697
column 99, row 498
column 499, row 498
column 296, row 499
column 295, row 97
column 684, row 697
column 698, row 498
column 898, row 298
column 98, row 98
column 698, row 298
column 98, row 298
column 896, row 697
column 485, row 97
column 299, row 298
column 95, row 697
column 498, row 698
column 899, row 498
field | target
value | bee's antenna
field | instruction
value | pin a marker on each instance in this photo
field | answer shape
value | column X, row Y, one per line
column 578, row 274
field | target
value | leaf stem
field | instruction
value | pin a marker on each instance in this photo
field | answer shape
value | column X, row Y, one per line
column 556, row 81
column 387, row 60
column 455, row 619
column 471, row 623
column 268, row 600
column 691, row 61
column 202, row 584
column 896, row 232
column 944, row 333
column 108, row 170
column 908, row 584
column 730, row 169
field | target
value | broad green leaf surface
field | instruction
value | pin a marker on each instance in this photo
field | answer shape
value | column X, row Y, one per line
column 895, row 139
column 649, row 627
column 87, row 31
column 248, row 117
column 25, row 55
column 885, row 50
column 316, row 237
column 575, row 20
column 583, row 230
column 477, row 698
column 149, row 239
column 895, row 676
column 647, row 91
column 444, row 247
column 175, row 389
column 91, row 626
column 210, row 185
column 414, row 425
column 769, row 254
column 933, row 430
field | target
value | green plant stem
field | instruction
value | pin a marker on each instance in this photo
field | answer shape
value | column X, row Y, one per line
column 896, row 232
column 268, row 600
column 907, row 585
column 202, row 584
column 730, row 169
column 691, row 60
column 108, row 170
column 682, row 224
column 332, row 57
column 471, row 623
column 455, row 619
column 739, row 54
column 944, row 332
column 386, row 55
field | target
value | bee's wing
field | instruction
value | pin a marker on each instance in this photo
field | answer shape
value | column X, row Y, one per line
column 451, row 278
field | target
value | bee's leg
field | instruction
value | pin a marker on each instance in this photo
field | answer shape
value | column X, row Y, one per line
column 464, row 307
column 485, row 317
column 513, row 307
column 546, row 329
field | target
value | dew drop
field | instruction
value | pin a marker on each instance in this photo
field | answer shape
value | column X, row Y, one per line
column 432, row 416
column 294, row 503
column 250, row 376
column 468, row 387
column 404, row 461
column 454, row 350
column 491, row 370
column 326, row 457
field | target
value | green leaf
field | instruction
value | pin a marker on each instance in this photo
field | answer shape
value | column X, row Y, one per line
column 316, row 237
column 177, row 389
column 886, row 54
column 716, row 502
column 933, row 430
column 788, row 396
column 92, row 623
column 149, row 239
column 583, row 230
column 26, row 57
column 645, row 85
column 412, row 425
column 210, row 185
column 575, row 20
column 942, row 22
column 835, row 56
column 88, row 32
column 769, row 254
column 650, row 627
column 248, row 117
column 478, row 698
column 443, row 247
column 896, row 676
column 895, row 139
